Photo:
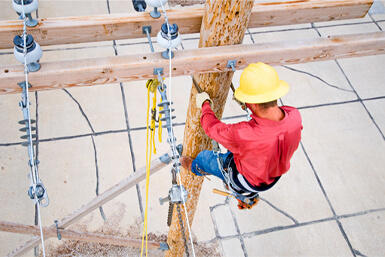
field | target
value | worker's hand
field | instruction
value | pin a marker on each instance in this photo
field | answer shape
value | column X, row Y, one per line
column 201, row 98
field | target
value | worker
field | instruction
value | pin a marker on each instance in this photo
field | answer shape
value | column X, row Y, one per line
column 259, row 150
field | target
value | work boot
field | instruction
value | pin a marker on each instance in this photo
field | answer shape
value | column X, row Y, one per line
column 186, row 162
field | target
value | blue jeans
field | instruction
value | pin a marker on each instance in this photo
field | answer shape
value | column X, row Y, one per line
column 207, row 161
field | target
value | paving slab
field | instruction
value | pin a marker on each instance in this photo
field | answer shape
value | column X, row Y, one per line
column 49, row 9
column 319, row 239
column 365, row 233
column 348, row 29
column 232, row 247
column 224, row 220
column 366, row 82
column 315, row 83
column 53, row 124
column 281, row 34
column 375, row 108
column 102, row 105
column 347, row 146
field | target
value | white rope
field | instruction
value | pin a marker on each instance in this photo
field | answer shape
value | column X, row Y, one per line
column 172, row 139
column 31, row 155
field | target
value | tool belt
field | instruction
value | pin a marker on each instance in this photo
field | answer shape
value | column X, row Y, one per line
column 239, row 184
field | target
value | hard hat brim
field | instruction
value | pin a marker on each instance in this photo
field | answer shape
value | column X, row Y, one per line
column 262, row 98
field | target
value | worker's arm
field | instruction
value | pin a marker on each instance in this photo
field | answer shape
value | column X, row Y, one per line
column 217, row 130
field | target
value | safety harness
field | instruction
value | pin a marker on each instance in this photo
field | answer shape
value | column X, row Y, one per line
column 246, row 199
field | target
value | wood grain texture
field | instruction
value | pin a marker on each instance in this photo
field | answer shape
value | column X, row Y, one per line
column 57, row 75
column 69, row 30
column 224, row 23
column 74, row 235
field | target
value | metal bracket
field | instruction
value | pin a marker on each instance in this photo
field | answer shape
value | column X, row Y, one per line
column 156, row 70
column 148, row 28
column 165, row 158
column 231, row 64
column 22, row 84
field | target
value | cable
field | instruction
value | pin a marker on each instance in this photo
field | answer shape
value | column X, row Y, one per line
column 172, row 139
column 34, row 176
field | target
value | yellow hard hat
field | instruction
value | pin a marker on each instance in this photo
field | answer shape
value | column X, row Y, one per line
column 260, row 83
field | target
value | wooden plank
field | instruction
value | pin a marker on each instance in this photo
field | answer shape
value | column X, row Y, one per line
column 103, row 198
column 109, row 70
column 223, row 23
column 69, row 30
column 74, row 235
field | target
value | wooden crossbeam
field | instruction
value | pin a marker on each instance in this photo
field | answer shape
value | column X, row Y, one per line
column 56, row 75
column 74, row 235
column 101, row 199
column 56, row 31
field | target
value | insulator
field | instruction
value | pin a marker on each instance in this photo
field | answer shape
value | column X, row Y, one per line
column 156, row 3
column 27, row 130
column 29, row 6
column 139, row 5
column 162, row 37
column 34, row 52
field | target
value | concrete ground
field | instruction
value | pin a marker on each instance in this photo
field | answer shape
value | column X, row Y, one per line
column 331, row 202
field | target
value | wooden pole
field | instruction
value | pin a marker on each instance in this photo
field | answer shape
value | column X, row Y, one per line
column 74, row 235
column 224, row 23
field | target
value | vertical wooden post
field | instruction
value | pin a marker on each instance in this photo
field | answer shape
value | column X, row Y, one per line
column 224, row 23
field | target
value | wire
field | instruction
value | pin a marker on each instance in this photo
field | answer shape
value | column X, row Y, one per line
column 172, row 139
column 30, row 149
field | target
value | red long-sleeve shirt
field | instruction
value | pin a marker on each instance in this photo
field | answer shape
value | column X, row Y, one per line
column 262, row 148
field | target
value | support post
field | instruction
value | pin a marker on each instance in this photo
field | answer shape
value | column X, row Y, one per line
column 224, row 23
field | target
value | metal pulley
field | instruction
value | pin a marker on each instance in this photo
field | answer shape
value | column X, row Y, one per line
column 33, row 55
column 169, row 43
column 38, row 194
column 29, row 7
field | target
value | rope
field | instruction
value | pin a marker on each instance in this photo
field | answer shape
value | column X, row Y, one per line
column 150, row 147
column 31, row 156
column 172, row 139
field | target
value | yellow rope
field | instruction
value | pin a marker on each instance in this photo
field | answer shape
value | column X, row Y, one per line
column 151, row 87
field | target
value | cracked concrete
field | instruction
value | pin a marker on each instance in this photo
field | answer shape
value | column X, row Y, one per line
column 331, row 202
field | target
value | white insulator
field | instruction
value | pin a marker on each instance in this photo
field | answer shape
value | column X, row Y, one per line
column 156, row 3
column 162, row 37
column 32, row 56
column 29, row 6
column 163, row 42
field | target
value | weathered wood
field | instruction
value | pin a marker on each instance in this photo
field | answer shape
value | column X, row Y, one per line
column 74, row 235
column 223, row 23
column 103, row 198
column 68, row 30
column 109, row 70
